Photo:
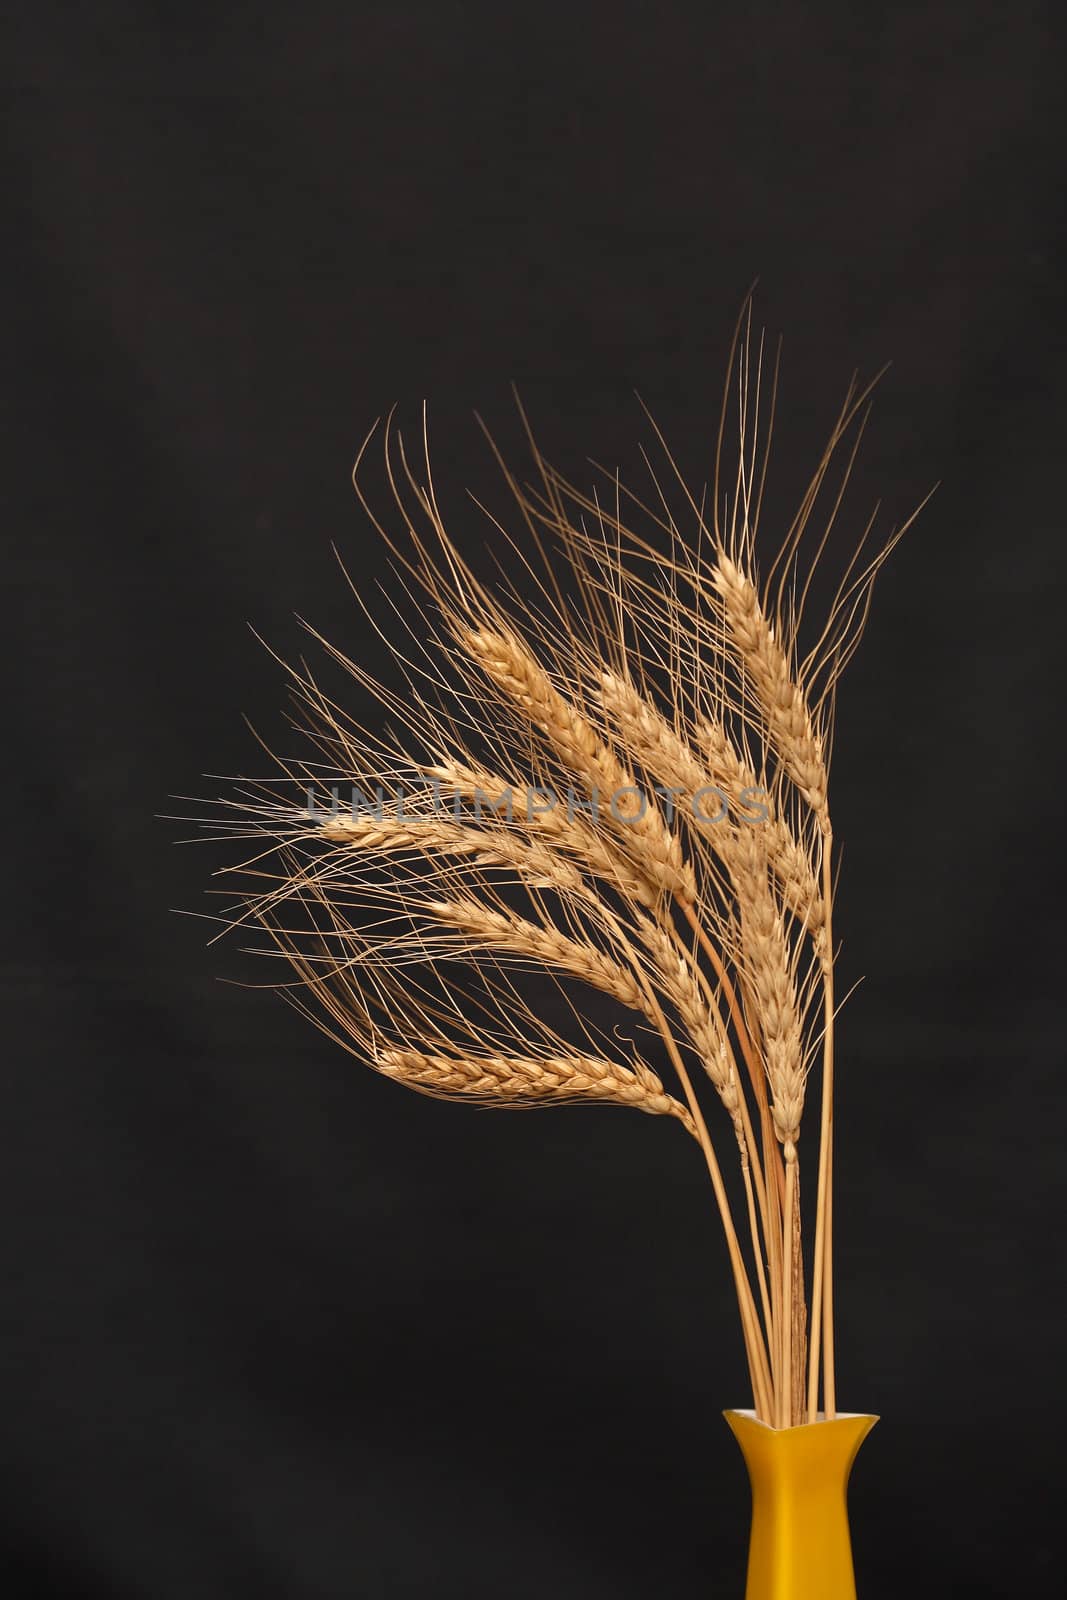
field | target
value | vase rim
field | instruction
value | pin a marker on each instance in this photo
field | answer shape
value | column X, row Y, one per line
column 840, row 1416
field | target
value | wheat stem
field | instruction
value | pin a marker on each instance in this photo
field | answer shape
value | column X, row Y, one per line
column 770, row 1164
column 755, row 1349
column 732, row 1093
column 795, row 1266
column 757, row 1251
column 755, row 1352
column 829, row 1373
column 785, row 1389
column 822, row 1274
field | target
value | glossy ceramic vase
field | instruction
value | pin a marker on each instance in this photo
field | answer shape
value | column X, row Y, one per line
column 800, row 1547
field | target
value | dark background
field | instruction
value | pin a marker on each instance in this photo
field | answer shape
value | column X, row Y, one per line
column 269, row 1325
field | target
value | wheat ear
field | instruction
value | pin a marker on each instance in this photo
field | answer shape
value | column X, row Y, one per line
column 537, row 865
column 531, row 1080
column 563, row 829
column 667, row 755
column 512, row 667
column 480, row 925
column 789, row 721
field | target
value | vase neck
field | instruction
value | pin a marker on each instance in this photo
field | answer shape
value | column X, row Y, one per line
column 800, row 1547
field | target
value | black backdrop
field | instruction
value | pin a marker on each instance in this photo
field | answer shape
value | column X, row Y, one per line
column 269, row 1325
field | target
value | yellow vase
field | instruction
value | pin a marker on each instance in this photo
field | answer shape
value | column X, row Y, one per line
column 800, row 1547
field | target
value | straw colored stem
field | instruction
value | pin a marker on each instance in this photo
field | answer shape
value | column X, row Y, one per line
column 775, row 1178
column 785, row 1387
column 752, row 1170
column 822, row 1336
column 775, row 1205
column 770, row 1195
column 749, row 1149
column 755, row 1350
column 829, row 1373
column 756, row 1074
column 759, row 1370
column 757, row 1251
column 799, row 1320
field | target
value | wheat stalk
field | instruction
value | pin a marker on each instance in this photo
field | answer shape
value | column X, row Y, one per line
column 651, row 666
column 792, row 731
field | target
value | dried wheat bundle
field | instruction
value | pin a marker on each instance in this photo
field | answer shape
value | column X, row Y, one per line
column 616, row 782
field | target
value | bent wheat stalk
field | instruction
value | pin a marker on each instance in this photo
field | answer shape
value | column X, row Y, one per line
column 535, row 833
